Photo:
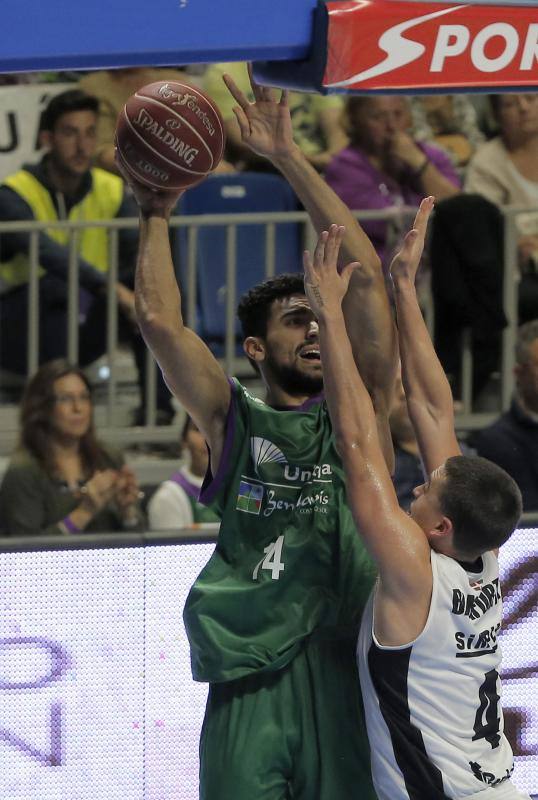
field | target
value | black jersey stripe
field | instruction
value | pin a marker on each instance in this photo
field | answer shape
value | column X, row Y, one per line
column 389, row 670
column 477, row 653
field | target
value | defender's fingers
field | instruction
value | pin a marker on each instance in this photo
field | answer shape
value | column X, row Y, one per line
column 332, row 248
column 242, row 121
column 284, row 97
column 235, row 91
column 308, row 267
column 423, row 214
column 257, row 89
column 406, row 252
column 349, row 269
column 319, row 252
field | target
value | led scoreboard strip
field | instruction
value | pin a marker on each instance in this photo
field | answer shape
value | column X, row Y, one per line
column 96, row 696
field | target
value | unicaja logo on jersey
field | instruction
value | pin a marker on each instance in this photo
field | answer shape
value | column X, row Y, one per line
column 264, row 451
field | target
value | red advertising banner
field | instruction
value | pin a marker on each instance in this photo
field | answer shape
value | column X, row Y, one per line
column 392, row 45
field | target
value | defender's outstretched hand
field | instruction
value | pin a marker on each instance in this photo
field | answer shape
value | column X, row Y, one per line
column 406, row 262
column 325, row 286
column 265, row 124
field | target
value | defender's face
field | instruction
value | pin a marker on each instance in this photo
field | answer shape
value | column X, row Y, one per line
column 425, row 509
column 292, row 338
column 73, row 141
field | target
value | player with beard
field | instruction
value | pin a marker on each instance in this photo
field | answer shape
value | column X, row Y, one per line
column 273, row 617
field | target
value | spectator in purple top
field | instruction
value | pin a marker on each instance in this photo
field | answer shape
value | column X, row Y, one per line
column 383, row 166
column 175, row 503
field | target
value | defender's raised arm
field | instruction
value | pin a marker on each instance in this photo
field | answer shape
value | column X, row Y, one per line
column 429, row 398
column 395, row 541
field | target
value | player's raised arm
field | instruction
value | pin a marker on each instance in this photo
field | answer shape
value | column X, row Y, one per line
column 428, row 394
column 189, row 368
column 396, row 542
column 266, row 128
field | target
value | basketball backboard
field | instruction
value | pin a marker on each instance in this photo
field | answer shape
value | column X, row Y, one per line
column 61, row 35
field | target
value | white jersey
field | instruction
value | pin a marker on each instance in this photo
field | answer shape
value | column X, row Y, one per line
column 433, row 711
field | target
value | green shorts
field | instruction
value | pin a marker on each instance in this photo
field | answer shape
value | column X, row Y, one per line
column 295, row 734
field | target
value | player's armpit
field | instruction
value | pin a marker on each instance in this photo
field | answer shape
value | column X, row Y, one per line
column 404, row 589
column 398, row 622
column 401, row 550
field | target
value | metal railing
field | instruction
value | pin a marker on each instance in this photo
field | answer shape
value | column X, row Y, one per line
column 202, row 533
column 398, row 219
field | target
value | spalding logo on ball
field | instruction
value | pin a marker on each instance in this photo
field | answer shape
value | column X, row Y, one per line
column 169, row 135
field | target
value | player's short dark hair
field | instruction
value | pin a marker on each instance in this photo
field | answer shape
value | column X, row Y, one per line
column 64, row 103
column 255, row 306
column 482, row 501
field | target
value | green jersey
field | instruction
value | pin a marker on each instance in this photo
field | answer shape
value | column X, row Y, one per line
column 289, row 562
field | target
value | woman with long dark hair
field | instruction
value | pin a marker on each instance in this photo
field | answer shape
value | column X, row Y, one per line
column 61, row 479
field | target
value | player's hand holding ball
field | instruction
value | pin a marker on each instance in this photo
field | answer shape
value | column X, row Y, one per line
column 152, row 202
column 169, row 136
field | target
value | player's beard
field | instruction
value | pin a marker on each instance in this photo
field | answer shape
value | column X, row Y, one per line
column 293, row 381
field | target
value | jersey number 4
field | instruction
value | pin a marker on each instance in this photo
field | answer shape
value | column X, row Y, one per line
column 272, row 560
column 487, row 720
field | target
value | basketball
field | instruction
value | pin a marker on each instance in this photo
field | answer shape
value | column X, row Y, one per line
column 169, row 135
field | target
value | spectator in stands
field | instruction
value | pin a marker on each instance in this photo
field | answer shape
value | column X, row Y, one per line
column 61, row 479
column 113, row 87
column 175, row 503
column 316, row 120
column 65, row 186
column 505, row 171
column 383, row 166
column 450, row 121
column 512, row 441
column 467, row 269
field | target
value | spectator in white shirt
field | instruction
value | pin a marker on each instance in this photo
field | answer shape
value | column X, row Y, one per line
column 175, row 503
